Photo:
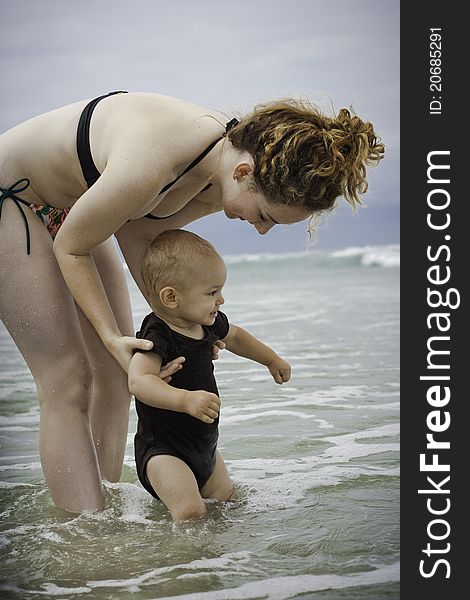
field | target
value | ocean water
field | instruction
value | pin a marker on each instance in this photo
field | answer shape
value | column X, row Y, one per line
column 315, row 461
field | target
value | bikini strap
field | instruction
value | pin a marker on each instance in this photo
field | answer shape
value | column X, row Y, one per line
column 18, row 187
column 203, row 154
column 89, row 170
column 191, row 166
column 231, row 124
column 197, row 160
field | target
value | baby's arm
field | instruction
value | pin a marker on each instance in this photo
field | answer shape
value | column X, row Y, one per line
column 146, row 385
column 240, row 342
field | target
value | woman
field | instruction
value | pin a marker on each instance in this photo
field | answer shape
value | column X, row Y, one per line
column 131, row 165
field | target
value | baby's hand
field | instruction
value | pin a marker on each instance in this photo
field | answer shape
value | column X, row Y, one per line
column 202, row 405
column 279, row 369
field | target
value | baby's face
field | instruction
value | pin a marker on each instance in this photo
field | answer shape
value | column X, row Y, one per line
column 201, row 300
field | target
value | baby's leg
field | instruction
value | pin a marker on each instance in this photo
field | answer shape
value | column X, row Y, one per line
column 176, row 486
column 219, row 485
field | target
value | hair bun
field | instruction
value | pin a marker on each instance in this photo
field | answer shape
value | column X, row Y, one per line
column 306, row 158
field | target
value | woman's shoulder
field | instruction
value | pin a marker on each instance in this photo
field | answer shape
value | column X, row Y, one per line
column 164, row 121
column 147, row 129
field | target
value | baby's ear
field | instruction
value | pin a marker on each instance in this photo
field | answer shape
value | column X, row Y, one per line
column 167, row 297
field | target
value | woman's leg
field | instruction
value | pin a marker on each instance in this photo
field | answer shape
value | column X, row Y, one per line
column 40, row 314
column 111, row 398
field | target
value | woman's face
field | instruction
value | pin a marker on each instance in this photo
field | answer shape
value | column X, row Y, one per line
column 251, row 206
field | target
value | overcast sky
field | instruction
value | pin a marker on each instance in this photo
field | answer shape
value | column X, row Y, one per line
column 228, row 56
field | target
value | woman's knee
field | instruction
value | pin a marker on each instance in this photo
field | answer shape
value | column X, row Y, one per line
column 67, row 383
column 109, row 380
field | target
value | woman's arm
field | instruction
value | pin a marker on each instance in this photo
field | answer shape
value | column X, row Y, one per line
column 146, row 385
column 240, row 342
column 103, row 209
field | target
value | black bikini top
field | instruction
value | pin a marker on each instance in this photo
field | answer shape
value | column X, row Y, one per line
column 89, row 170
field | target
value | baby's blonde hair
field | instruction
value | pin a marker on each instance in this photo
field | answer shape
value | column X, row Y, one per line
column 171, row 259
column 304, row 158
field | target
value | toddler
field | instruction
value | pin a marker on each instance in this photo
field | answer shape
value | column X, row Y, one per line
column 176, row 441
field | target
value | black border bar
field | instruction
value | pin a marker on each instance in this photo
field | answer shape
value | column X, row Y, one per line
column 435, row 227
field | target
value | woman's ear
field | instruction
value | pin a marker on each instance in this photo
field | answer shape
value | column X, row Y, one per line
column 167, row 297
column 242, row 169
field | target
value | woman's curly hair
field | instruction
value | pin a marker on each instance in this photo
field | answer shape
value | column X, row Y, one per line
column 304, row 158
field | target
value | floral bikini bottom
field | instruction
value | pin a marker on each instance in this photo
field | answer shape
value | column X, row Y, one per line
column 50, row 216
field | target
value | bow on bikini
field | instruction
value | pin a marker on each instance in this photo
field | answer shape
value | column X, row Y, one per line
column 18, row 187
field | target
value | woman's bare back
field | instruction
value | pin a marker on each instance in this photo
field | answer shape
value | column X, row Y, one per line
column 129, row 128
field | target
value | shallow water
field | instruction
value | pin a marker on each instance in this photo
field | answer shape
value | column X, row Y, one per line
column 315, row 461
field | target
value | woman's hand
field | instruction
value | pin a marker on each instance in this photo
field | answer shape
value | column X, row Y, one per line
column 123, row 348
column 218, row 345
column 171, row 368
